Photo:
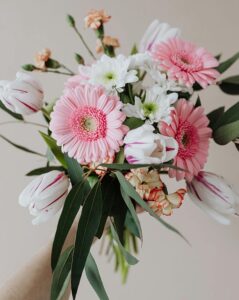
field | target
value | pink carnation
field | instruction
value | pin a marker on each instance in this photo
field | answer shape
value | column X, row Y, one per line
column 190, row 129
column 87, row 123
column 185, row 62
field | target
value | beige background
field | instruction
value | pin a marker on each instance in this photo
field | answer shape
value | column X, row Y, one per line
column 169, row 269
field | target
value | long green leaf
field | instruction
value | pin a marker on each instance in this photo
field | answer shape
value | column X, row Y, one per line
column 227, row 133
column 126, row 166
column 130, row 225
column 44, row 170
column 224, row 66
column 87, row 229
column 230, row 85
column 108, row 198
column 94, row 278
column 74, row 169
column 131, row 192
column 14, row 115
column 56, row 150
column 231, row 115
column 20, row 147
column 131, row 260
column 133, row 213
column 71, row 207
column 61, row 275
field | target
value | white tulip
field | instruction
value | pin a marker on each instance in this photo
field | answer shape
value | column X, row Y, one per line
column 23, row 95
column 157, row 32
column 45, row 195
column 143, row 146
column 211, row 193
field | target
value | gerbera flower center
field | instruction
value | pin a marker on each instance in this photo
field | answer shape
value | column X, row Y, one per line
column 88, row 123
column 187, row 139
column 149, row 108
column 186, row 62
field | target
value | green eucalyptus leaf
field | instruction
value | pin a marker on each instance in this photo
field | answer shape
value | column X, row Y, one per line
column 131, row 225
column 74, row 200
column 133, row 123
column 61, row 275
column 231, row 115
column 215, row 116
column 94, row 278
column 74, row 169
column 52, row 64
column 224, row 66
column 226, row 133
column 131, row 260
column 86, row 231
column 20, row 147
column 56, row 150
column 230, row 85
column 108, row 197
column 14, row 115
column 132, row 211
column 44, row 170
column 131, row 192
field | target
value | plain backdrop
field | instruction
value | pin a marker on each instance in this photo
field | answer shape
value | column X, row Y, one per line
column 169, row 269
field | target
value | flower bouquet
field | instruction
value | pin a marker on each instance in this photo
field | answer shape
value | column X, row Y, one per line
column 122, row 124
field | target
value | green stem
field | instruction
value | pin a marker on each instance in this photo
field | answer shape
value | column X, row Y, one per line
column 23, row 122
column 67, row 69
column 84, row 43
column 54, row 71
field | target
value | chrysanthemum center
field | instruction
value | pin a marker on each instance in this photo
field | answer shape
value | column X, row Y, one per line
column 109, row 76
column 187, row 139
column 88, row 123
column 149, row 108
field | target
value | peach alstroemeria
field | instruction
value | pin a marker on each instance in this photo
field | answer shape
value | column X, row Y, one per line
column 42, row 57
column 95, row 18
column 111, row 41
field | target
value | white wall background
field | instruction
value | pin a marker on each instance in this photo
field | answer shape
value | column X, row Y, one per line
column 169, row 269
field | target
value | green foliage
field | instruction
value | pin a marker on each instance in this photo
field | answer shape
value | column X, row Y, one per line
column 61, row 275
column 74, row 170
column 230, row 85
column 133, row 123
column 71, row 207
column 79, row 59
column 94, row 278
column 56, row 150
column 20, row 147
column 14, row 115
column 224, row 66
column 44, row 170
column 70, row 20
column 52, row 64
column 86, row 231
column 134, row 50
column 29, row 67
column 226, row 133
column 215, row 116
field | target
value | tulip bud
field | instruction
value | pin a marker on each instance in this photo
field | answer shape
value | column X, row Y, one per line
column 45, row 195
column 23, row 95
column 212, row 194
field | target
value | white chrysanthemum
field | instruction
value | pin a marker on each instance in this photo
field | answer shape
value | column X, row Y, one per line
column 162, row 80
column 156, row 106
column 112, row 72
column 140, row 61
column 143, row 146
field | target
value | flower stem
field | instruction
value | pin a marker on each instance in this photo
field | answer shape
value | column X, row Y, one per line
column 67, row 69
column 55, row 71
column 84, row 43
column 23, row 122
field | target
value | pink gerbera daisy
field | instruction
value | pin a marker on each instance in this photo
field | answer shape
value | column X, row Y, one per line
column 87, row 123
column 185, row 62
column 190, row 129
